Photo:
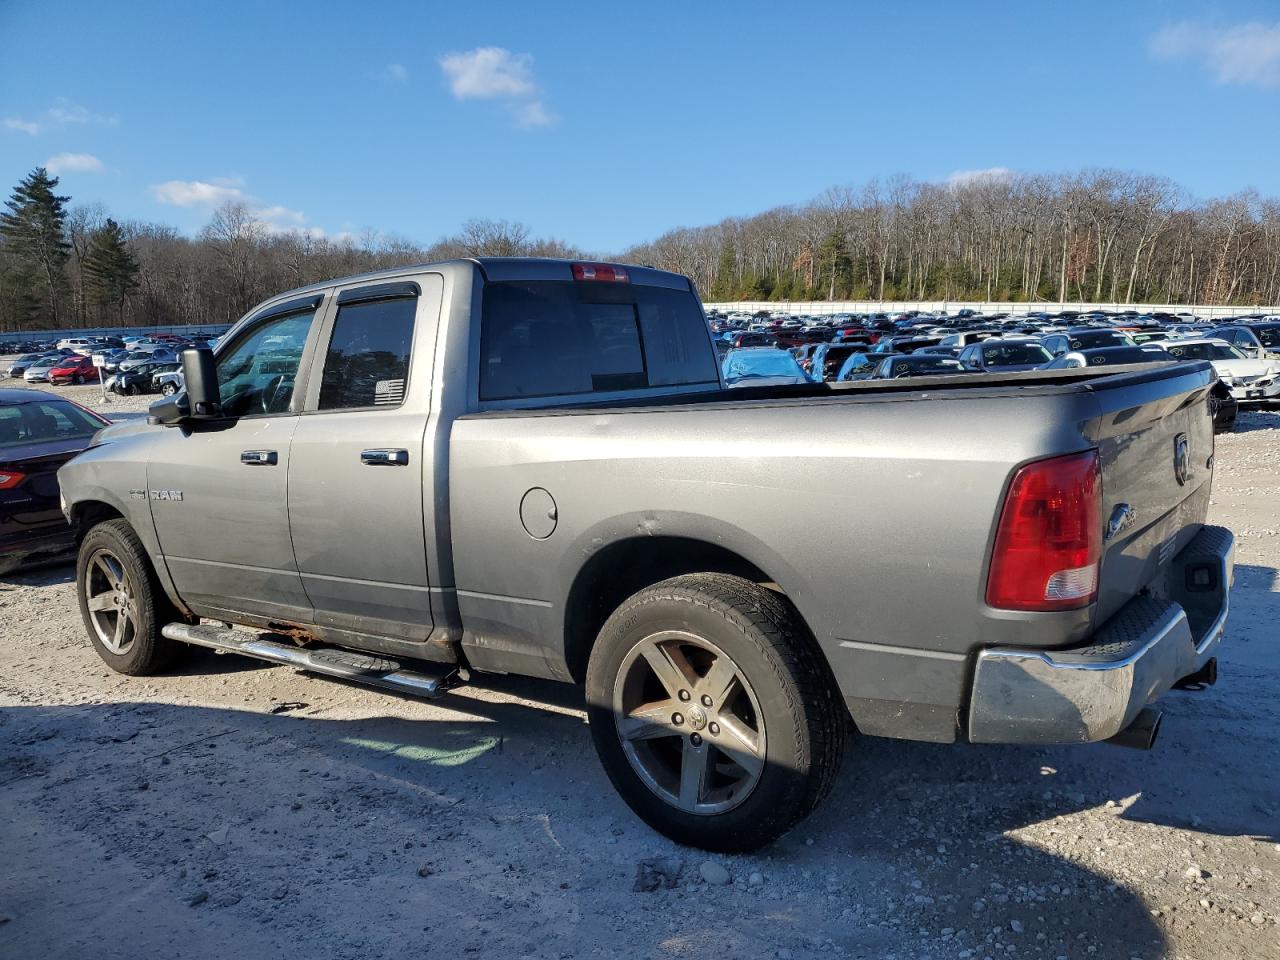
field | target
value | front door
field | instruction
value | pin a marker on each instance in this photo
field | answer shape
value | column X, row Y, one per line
column 219, row 491
column 358, row 472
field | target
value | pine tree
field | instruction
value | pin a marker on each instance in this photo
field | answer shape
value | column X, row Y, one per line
column 836, row 266
column 726, row 285
column 32, row 232
column 110, row 269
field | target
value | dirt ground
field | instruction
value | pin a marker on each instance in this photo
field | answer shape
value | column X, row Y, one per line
column 239, row 809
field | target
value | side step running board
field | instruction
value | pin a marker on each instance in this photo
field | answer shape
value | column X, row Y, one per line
column 330, row 661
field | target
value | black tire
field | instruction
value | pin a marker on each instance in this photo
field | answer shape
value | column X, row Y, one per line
column 799, row 706
column 147, row 651
column 168, row 389
column 132, row 389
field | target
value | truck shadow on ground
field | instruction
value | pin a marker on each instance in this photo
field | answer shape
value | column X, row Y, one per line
column 518, row 823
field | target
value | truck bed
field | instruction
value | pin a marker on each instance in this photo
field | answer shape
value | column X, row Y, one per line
column 1038, row 381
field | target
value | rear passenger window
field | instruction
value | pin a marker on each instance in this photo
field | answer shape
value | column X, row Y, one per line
column 367, row 364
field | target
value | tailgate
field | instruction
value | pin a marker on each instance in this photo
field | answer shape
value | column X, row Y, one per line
column 1155, row 446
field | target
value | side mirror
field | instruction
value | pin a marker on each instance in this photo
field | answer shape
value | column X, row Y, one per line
column 200, row 400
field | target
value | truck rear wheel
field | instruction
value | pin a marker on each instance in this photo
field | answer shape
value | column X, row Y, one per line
column 713, row 712
column 122, row 604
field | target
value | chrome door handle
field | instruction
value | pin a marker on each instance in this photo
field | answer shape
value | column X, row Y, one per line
column 258, row 458
column 385, row 458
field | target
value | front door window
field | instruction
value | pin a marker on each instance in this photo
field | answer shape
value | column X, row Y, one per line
column 256, row 376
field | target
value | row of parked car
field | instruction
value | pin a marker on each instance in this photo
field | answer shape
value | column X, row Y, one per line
column 781, row 350
column 131, row 365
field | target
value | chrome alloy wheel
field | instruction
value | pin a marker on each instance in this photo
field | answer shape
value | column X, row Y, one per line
column 112, row 602
column 689, row 722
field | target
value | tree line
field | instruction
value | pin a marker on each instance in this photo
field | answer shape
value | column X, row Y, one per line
column 1091, row 236
column 73, row 266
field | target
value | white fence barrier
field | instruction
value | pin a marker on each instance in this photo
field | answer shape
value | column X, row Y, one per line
column 952, row 307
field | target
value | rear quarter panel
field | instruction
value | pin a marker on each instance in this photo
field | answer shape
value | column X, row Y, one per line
column 873, row 514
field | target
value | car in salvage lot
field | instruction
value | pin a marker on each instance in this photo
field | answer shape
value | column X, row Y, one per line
column 1104, row 356
column 1252, row 380
column 900, row 366
column 761, row 367
column 38, row 370
column 1005, row 355
column 141, row 377
column 39, row 432
column 75, row 369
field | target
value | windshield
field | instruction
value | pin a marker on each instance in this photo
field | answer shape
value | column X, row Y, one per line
column 760, row 363
column 24, row 423
column 1204, row 351
column 924, row 364
column 1010, row 354
column 1269, row 336
column 1097, row 358
column 1099, row 338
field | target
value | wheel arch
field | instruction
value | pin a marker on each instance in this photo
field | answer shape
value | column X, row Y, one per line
column 628, row 564
column 98, row 505
column 87, row 514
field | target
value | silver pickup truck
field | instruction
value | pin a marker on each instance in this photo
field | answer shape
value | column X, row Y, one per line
column 532, row 467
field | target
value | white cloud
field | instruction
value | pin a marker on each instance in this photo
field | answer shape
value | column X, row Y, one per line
column 277, row 214
column 1247, row 54
column 964, row 178
column 63, row 113
column 488, row 73
column 494, row 73
column 73, row 163
column 195, row 193
column 396, row 73
column 26, row 126
column 534, row 114
column 274, row 218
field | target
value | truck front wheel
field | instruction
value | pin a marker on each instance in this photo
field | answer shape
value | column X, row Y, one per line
column 713, row 712
column 122, row 604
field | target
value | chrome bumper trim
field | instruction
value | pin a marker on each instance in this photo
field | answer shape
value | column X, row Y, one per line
column 1091, row 693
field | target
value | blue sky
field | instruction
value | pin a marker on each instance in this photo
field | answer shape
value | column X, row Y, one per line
column 606, row 126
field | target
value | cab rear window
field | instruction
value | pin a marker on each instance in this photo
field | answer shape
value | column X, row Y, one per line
column 553, row 338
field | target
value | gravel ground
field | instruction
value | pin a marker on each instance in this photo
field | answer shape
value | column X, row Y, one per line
column 240, row 809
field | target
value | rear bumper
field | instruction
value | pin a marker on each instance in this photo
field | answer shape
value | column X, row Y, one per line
column 1092, row 692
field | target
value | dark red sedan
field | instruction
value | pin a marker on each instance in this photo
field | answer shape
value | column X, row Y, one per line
column 74, row 370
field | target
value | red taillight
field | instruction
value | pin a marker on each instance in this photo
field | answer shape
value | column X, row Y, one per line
column 10, row 479
column 600, row 271
column 1050, row 536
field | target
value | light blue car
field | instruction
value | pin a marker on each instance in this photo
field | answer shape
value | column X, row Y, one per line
column 761, row 367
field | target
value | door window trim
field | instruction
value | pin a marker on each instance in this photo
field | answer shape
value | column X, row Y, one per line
column 369, row 293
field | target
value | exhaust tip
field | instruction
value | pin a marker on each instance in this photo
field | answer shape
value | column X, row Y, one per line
column 1142, row 733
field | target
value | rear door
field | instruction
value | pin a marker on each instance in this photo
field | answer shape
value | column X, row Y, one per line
column 359, row 472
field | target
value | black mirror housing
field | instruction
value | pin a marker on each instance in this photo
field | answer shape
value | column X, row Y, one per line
column 201, row 379
column 199, row 401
